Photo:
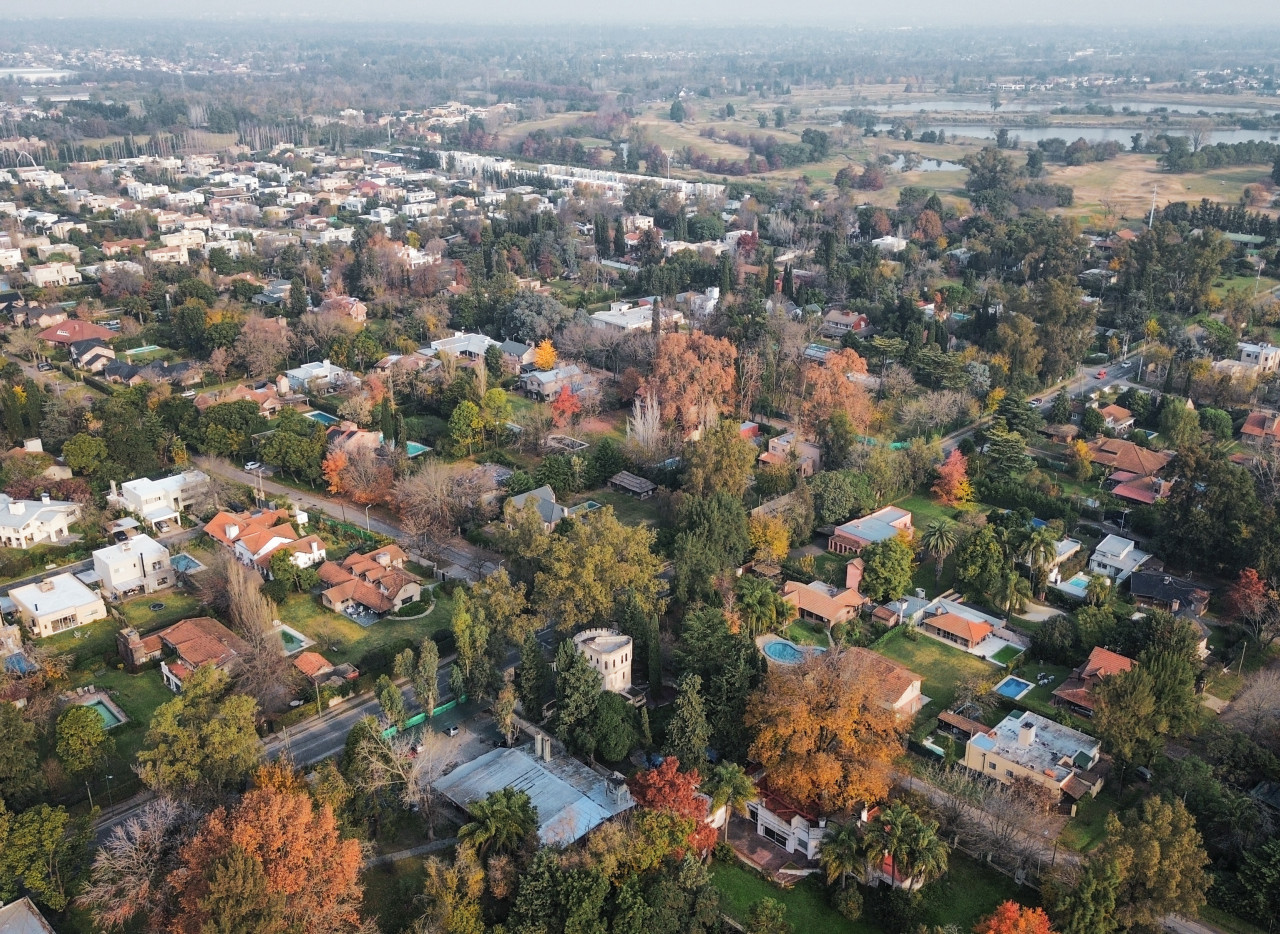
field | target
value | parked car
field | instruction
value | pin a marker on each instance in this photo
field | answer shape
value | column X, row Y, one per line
column 453, row 731
column 44, row 367
column 253, row 465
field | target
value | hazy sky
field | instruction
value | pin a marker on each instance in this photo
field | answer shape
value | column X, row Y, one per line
column 1097, row 13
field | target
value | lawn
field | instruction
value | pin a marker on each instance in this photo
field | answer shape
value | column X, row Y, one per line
column 924, row 510
column 178, row 604
column 391, row 894
column 1040, row 698
column 630, row 510
column 803, row 633
column 1086, row 830
column 137, row 695
column 340, row 640
column 964, row 895
column 941, row 666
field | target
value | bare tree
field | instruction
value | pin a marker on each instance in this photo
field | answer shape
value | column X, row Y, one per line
column 1256, row 710
column 644, row 427
column 130, row 871
column 407, row 767
column 262, row 671
column 428, row 506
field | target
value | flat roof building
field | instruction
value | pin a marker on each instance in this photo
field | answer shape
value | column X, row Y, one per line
column 57, row 604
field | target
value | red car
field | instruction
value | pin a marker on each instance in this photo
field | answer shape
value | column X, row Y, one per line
column 1102, row 374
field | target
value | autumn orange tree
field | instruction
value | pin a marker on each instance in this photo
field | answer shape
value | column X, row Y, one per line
column 693, row 379
column 335, row 462
column 829, row 389
column 1012, row 918
column 952, row 486
column 275, row 861
column 544, row 356
column 665, row 789
column 822, row 733
column 565, row 407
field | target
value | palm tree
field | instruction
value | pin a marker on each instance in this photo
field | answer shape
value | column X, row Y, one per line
column 912, row 844
column 1012, row 591
column 729, row 786
column 928, row 853
column 938, row 540
column 1042, row 548
column 843, row 851
column 501, row 822
column 1098, row 591
column 762, row 607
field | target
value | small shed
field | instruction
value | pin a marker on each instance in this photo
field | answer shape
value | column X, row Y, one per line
column 628, row 482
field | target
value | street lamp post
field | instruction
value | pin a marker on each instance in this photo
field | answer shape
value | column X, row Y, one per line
column 110, row 799
column 90, row 790
column 367, row 526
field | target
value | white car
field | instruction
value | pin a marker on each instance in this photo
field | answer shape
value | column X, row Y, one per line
column 252, row 466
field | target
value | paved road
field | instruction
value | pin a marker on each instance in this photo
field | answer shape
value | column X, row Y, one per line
column 474, row 562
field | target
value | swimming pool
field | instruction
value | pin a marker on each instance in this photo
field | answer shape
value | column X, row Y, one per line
column 324, row 418
column 293, row 640
column 1013, row 688
column 185, row 564
column 146, row 349
column 1076, row 586
column 786, row 652
column 109, row 718
column 413, row 448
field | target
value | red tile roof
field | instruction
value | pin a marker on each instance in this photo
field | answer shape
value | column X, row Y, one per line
column 312, row 664
column 971, row 631
column 72, row 330
column 202, row 641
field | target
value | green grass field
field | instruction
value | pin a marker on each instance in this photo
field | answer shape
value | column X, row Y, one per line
column 340, row 640
column 941, row 667
column 391, row 894
column 628, row 509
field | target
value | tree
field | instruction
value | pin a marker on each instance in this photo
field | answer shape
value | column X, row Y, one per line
column 43, row 852
column 1012, row 918
column 822, row 732
column 20, row 777
column 730, row 787
column 84, row 453
column 1161, row 862
column 240, row 898
column 1060, row 412
column 202, row 742
column 911, row 842
column 390, row 700
column 584, row 568
column 426, row 682
column 688, row 733
column 565, row 407
column 1260, row 875
column 131, row 870
column 465, row 427
column 677, row 111
column 578, row 687
column 296, row 846
column 667, row 789
column 830, row 389
column 1086, row 904
column 1179, row 423
column 533, row 678
column 1081, row 460
column 842, row 853
column 693, row 379
column 82, row 740
column 501, row 822
column 839, row 494
column 1126, row 717
column 452, row 891
column 952, row 488
column 768, row 915
column 938, row 540
column 760, row 607
column 721, row 461
column 1006, row 452
column 887, row 568
column 613, row 733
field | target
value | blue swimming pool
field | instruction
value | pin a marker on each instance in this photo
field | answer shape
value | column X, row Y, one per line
column 1076, row 586
column 147, row 349
column 413, row 448
column 786, row 652
column 1013, row 688
column 324, row 418
column 185, row 564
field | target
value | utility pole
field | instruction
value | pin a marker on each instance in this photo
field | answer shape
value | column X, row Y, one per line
column 1152, row 218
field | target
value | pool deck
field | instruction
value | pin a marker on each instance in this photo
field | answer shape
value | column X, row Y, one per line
column 1021, row 694
column 90, row 695
column 305, row 643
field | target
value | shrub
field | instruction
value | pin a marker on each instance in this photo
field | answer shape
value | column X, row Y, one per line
column 848, row 901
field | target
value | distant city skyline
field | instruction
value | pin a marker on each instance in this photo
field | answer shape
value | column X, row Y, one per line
column 921, row 13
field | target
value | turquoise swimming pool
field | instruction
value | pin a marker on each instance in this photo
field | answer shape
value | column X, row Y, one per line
column 786, row 652
column 413, row 448
column 109, row 718
column 137, row 350
column 324, row 418
column 1077, row 586
column 1013, row 688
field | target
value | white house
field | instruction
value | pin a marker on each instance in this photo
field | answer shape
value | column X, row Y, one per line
column 26, row 522
column 463, row 344
column 135, row 566
column 1117, row 558
column 318, row 377
column 53, row 274
column 163, row 500
column 609, row 653
column 889, row 245
column 57, row 604
column 1266, row 357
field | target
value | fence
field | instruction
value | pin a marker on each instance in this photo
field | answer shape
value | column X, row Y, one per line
column 420, row 718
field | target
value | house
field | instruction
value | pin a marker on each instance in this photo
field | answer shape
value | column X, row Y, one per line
column 135, row 566
column 56, row 604
column 879, row 526
column 164, row 500
column 1027, row 745
column 782, row 449
column 1076, row 692
column 626, row 482
column 702, row 304
column 348, row 438
column 472, row 347
column 610, row 653
column 1266, row 357
column 546, row 384
column 889, row 245
column 254, row 537
column 1126, row 456
column 183, row 373
column 35, row 316
column 1162, row 591
column 515, row 355
column 1261, row 430
column 570, row 799
column 897, row 686
column 959, row 630
column 192, row 643
column 623, row 318
column 92, row 354
column 276, row 293
column 840, row 321
column 1117, row 418
column 783, row 822
column 265, row 395
column 320, row 378
column 376, row 580
column 27, row 522
column 74, row 330
column 52, row 274
column 543, row 499
column 118, row 247
column 822, row 603
column 22, row 917
column 173, row 255
column 345, row 306
column 1116, row 558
